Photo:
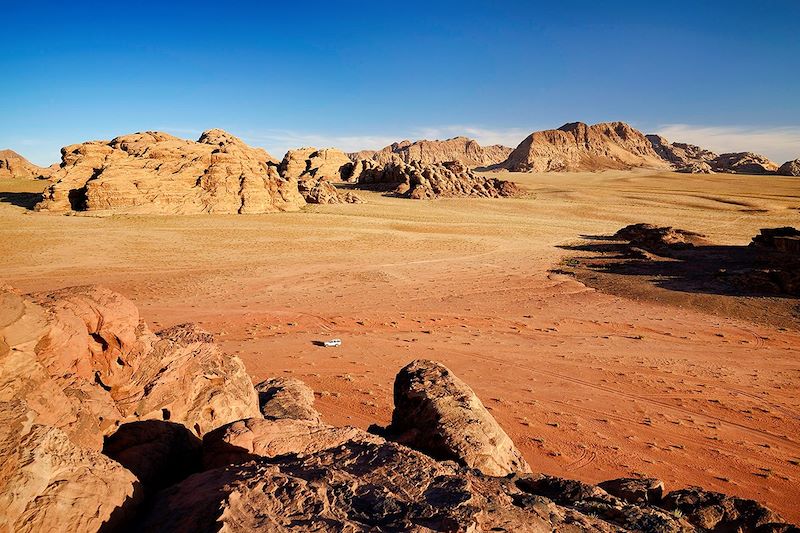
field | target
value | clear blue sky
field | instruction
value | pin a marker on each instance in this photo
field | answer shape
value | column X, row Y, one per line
column 360, row 74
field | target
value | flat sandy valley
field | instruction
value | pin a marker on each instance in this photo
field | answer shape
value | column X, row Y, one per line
column 589, row 385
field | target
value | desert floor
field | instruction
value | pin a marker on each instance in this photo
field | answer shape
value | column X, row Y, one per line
column 589, row 385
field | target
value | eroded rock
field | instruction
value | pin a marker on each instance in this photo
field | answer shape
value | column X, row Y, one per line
column 154, row 172
column 420, row 181
column 438, row 414
column 286, row 398
column 743, row 163
column 658, row 238
column 466, row 151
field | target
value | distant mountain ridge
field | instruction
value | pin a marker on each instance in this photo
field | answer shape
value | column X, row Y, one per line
column 462, row 149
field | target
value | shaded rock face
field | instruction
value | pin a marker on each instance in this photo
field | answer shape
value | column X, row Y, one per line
column 75, row 365
column 420, row 181
column 681, row 155
column 580, row 147
column 466, row 151
column 743, row 163
column 315, row 170
column 305, row 164
column 13, row 165
column 247, row 439
column 437, row 413
column 323, row 191
column 286, row 398
column 154, row 172
column 713, row 511
column 790, row 168
column 786, row 239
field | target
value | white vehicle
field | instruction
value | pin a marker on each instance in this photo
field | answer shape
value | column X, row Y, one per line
column 333, row 343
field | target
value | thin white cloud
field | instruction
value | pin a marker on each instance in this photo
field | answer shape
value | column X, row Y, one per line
column 778, row 143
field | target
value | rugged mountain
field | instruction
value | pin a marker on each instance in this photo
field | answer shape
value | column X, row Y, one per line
column 13, row 165
column 101, row 420
column 790, row 168
column 580, row 147
column 154, row 172
column 462, row 149
column 743, row 163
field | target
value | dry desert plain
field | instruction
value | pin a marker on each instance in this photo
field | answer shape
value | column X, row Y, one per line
column 688, row 387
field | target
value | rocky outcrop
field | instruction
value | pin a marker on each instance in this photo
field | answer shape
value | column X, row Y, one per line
column 315, row 171
column 247, row 439
column 438, row 414
column 421, row 181
column 695, row 168
column 681, row 155
column 790, row 168
column 743, row 163
column 322, row 191
column 462, row 149
column 286, row 398
column 13, row 165
column 580, row 147
column 154, row 172
column 658, row 238
column 714, row 511
column 77, row 365
column 786, row 239
column 305, row 164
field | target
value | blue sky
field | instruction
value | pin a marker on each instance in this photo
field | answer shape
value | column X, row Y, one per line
column 362, row 74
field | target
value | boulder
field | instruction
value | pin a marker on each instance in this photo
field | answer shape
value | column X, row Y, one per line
column 286, row 398
column 743, row 163
column 154, row 172
column 438, row 414
column 466, row 151
column 580, row 147
column 790, row 168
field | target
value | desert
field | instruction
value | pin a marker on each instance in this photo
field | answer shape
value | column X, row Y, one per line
column 432, row 267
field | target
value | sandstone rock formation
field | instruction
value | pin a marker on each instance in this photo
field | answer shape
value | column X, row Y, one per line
column 786, row 239
column 743, row 163
column 286, row 398
column 155, row 172
column 681, row 155
column 305, row 164
column 790, row 168
column 657, row 238
column 247, row 439
column 438, row 414
column 579, row 147
column 76, row 364
column 314, row 170
column 421, row 181
column 462, row 149
column 323, row 191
